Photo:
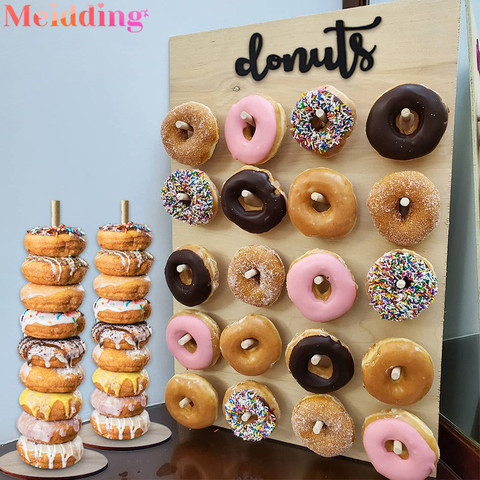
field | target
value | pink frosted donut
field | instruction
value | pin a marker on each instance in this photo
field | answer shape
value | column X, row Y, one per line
column 201, row 348
column 380, row 430
column 326, row 302
column 118, row 406
column 254, row 146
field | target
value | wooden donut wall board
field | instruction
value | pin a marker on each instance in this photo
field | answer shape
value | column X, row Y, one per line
column 416, row 42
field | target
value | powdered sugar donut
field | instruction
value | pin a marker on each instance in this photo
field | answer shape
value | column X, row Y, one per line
column 121, row 311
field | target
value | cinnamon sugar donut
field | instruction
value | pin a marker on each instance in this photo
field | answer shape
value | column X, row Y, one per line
column 198, row 147
column 60, row 241
column 124, row 236
column 118, row 406
column 59, row 431
column 121, row 337
column 116, row 287
column 52, row 325
column 52, row 298
column 115, row 360
column 410, row 224
column 126, row 263
column 54, row 270
column 120, row 428
column 265, row 272
column 52, row 380
column 120, row 384
column 51, row 406
column 124, row 312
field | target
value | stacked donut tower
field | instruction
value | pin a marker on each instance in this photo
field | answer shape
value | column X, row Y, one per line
column 121, row 332
column 51, row 346
column 405, row 208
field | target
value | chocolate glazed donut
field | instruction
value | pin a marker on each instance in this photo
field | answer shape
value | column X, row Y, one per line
column 305, row 349
column 201, row 286
column 384, row 134
column 259, row 182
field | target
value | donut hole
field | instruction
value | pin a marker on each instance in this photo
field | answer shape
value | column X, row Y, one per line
column 322, row 291
column 252, row 419
column 249, row 131
column 253, row 204
column 407, row 281
column 324, row 367
column 186, row 277
column 407, row 128
column 318, row 124
column 321, row 206
column 404, row 211
column 191, row 346
column 253, row 344
column 389, row 448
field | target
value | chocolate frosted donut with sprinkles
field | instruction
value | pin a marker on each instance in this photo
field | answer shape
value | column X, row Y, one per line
column 401, row 284
column 190, row 196
column 322, row 120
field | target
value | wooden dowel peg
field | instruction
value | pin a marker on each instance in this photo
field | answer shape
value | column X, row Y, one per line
column 185, row 339
column 248, row 118
column 55, row 213
column 316, row 359
column 125, row 211
column 401, row 283
column 318, row 280
column 404, row 202
column 406, row 120
column 183, row 126
column 250, row 273
column 321, row 115
column 318, row 197
column 395, row 373
column 317, row 427
column 184, row 402
column 397, row 447
column 248, row 196
column 183, row 197
column 182, row 267
column 247, row 343
column 246, row 416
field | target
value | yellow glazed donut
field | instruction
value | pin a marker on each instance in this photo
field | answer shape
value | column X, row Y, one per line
column 61, row 241
column 52, row 325
column 115, row 287
column 54, row 270
column 121, row 360
column 251, row 345
column 52, row 299
column 120, row 384
column 126, row 263
column 52, row 380
column 120, row 428
column 51, row 406
column 124, row 236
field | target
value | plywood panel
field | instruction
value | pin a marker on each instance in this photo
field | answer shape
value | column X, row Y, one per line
column 416, row 42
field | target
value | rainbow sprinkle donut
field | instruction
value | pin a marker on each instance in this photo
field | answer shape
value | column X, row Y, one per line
column 323, row 135
column 401, row 284
column 190, row 196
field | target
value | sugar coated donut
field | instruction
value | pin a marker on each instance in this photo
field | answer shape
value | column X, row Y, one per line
column 121, row 311
column 120, row 428
column 193, row 338
column 116, row 287
column 124, row 236
column 251, row 410
column 191, row 274
column 256, row 275
column 120, row 384
column 52, row 325
column 119, row 262
column 51, row 406
column 397, row 371
column 191, row 400
column 190, row 133
column 52, row 380
column 409, row 224
column 50, row 456
column 419, row 449
column 190, row 196
column 318, row 361
column 59, row 431
column 52, row 298
column 60, row 241
column 321, row 303
column 118, row 406
column 121, row 360
column 259, row 143
column 260, row 183
column 54, row 270
column 322, row 120
column 262, row 349
column 403, row 139
column 401, row 284
column 315, row 189
column 122, row 337
column 323, row 425
column 52, row 353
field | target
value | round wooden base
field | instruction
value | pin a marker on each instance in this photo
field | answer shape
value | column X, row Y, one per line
column 156, row 435
column 91, row 463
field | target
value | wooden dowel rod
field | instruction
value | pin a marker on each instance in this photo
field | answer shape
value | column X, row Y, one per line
column 125, row 208
column 55, row 213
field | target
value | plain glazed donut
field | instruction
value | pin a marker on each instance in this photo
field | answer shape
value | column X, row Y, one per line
column 115, row 287
column 118, row 406
column 59, row 431
column 199, row 410
column 261, row 183
column 420, row 452
column 121, row 337
column 52, row 298
column 265, row 286
column 52, row 325
column 115, row 360
column 341, row 215
column 198, row 147
column 323, row 425
column 120, row 384
column 51, row 380
column 193, row 338
column 384, row 130
column 50, row 456
column 255, row 401
column 316, row 304
column 255, row 145
column 124, row 312
column 54, row 270
column 327, row 133
column 124, row 236
column 411, row 224
column 120, row 428
column 200, row 203
column 197, row 279
column 413, row 376
column 61, row 241
column 51, row 406
column 127, row 263
column 305, row 358
column 256, row 359
column 401, row 284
